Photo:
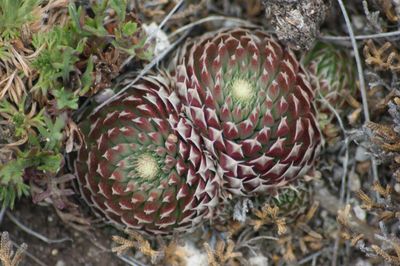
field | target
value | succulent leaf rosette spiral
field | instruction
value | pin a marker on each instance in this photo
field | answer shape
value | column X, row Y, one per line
column 252, row 103
column 331, row 71
column 143, row 166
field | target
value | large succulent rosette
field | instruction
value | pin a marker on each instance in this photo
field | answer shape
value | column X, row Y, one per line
column 143, row 166
column 252, row 103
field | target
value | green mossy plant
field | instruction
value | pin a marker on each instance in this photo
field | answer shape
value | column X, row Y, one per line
column 63, row 60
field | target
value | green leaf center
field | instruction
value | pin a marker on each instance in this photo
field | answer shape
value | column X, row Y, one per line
column 242, row 90
column 147, row 166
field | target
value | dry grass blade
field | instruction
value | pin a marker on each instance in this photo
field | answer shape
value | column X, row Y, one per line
column 13, row 86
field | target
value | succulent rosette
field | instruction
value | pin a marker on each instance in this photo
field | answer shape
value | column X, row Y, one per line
column 331, row 71
column 293, row 200
column 252, row 103
column 142, row 165
column 334, row 75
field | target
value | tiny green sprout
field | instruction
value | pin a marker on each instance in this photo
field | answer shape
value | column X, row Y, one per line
column 22, row 121
column 129, row 28
column 65, row 99
column 52, row 133
column 11, row 173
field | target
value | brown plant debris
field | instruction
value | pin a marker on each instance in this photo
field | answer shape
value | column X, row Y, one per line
column 173, row 253
column 135, row 241
column 384, row 136
column 223, row 253
column 395, row 259
column 368, row 235
column 7, row 256
column 388, row 9
column 385, row 57
column 300, row 238
column 312, row 237
column 269, row 215
column 168, row 254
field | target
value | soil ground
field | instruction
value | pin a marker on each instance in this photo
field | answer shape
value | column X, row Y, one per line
column 80, row 249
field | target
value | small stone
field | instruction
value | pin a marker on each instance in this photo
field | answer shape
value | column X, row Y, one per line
column 355, row 183
column 360, row 213
column 61, row 263
column 161, row 39
column 54, row 252
column 358, row 22
column 258, row 261
column 104, row 95
column 362, row 262
column 397, row 187
column 361, row 154
column 195, row 256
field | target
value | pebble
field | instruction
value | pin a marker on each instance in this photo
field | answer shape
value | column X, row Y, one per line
column 161, row 38
column 358, row 22
column 258, row 261
column 355, row 183
column 104, row 95
column 362, row 262
column 61, row 263
column 397, row 187
column 360, row 213
column 361, row 154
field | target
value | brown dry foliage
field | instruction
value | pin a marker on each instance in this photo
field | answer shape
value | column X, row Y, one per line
column 383, row 58
column 388, row 9
column 269, row 215
column 168, row 254
column 223, row 253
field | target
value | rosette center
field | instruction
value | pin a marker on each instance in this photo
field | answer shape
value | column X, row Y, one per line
column 147, row 166
column 242, row 90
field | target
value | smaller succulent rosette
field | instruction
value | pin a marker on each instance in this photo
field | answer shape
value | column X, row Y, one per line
column 143, row 166
column 332, row 72
column 252, row 103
